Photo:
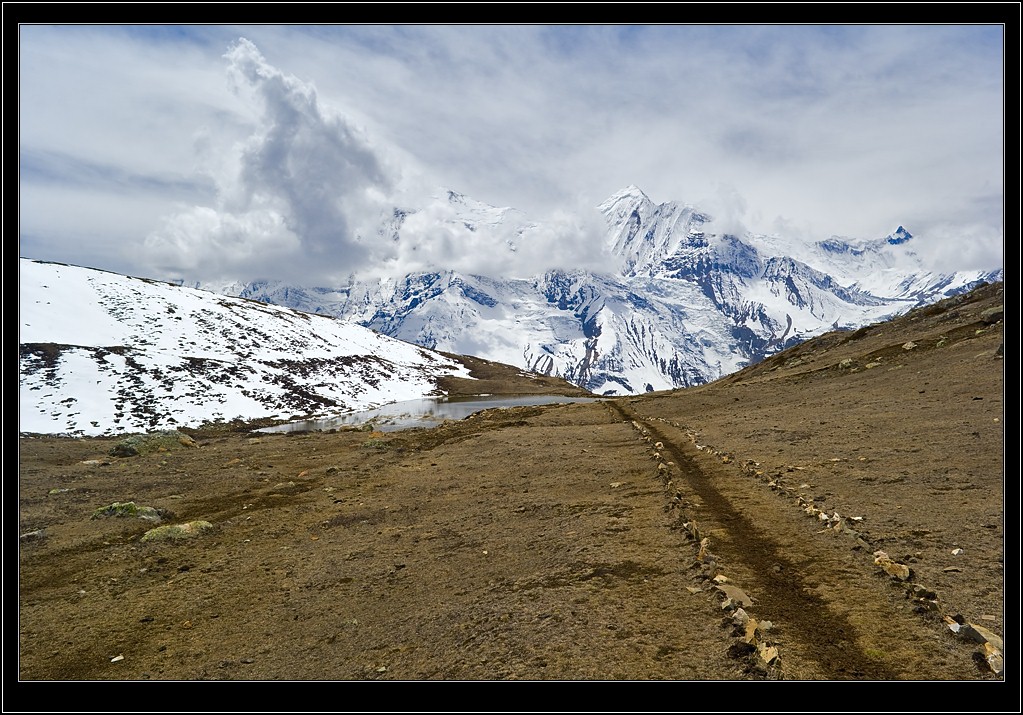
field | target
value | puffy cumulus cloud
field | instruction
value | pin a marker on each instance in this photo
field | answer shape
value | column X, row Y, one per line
column 203, row 243
column 297, row 197
column 961, row 247
column 569, row 239
column 847, row 130
column 474, row 238
column 728, row 208
column 308, row 198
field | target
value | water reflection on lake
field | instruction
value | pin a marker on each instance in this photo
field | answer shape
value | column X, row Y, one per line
column 425, row 412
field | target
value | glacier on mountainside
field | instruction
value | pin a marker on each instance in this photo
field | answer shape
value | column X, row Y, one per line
column 687, row 305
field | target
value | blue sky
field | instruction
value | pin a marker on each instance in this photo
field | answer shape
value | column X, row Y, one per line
column 186, row 152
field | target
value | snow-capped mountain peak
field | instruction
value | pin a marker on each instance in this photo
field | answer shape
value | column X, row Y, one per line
column 631, row 195
column 643, row 234
column 690, row 302
column 898, row 236
column 473, row 212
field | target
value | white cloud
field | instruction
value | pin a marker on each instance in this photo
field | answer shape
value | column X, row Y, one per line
column 203, row 243
column 441, row 237
column 299, row 193
column 305, row 196
column 848, row 130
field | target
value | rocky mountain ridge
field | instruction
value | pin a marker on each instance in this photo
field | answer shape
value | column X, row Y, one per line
column 688, row 304
column 102, row 354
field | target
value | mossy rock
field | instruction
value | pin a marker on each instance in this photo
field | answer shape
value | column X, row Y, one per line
column 993, row 315
column 128, row 509
column 173, row 532
column 163, row 441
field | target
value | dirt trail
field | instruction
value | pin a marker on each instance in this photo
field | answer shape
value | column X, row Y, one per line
column 527, row 544
column 745, row 531
column 553, row 543
column 560, row 555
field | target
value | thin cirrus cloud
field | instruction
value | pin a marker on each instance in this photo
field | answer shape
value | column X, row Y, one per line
column 282, row 154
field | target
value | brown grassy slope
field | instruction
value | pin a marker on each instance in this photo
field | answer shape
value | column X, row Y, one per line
column 494, row 378
column 548, row 542
column 909, row 437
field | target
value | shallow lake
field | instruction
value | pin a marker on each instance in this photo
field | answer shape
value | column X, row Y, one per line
column 425, row 412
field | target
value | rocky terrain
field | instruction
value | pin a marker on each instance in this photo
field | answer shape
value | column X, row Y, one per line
column 679, row 301
column 835, row 512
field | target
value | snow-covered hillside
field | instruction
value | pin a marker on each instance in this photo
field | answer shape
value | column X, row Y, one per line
column 102, row 353
column 689, row 303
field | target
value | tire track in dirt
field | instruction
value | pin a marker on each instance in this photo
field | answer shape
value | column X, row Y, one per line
column 780, row 593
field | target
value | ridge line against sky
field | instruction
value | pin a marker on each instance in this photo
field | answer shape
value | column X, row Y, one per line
column 217, row 152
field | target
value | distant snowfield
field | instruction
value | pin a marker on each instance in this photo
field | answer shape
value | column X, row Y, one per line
column 103, row 354
column 687, row 304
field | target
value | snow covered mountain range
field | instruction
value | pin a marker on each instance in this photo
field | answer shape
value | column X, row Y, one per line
column 688, row 303
column 103, row 354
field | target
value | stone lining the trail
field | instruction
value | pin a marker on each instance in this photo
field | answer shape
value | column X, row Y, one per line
column 925, row 599
column 751, row 642
column 991, row 643
column 898, row 571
